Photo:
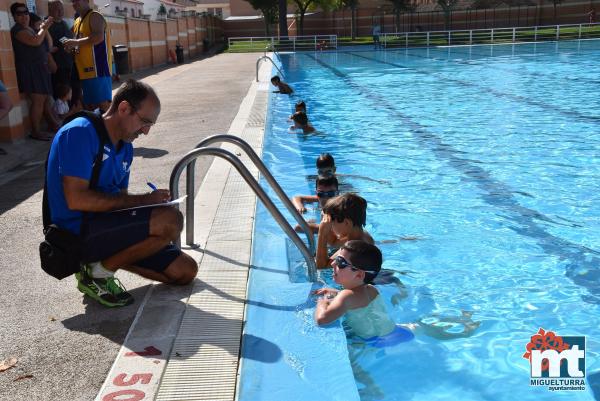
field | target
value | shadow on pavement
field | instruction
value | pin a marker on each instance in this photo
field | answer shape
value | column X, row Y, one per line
column 149, row 153
column 22, row 188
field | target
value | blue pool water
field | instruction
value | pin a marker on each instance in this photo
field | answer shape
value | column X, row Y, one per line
column 480, row 166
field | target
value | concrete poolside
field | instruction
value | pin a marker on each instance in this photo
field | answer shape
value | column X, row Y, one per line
column 66, row 343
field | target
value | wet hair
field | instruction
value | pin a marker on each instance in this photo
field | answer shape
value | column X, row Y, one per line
column 62, row 90
column 300, row 117
column 133, row 92
column 327, row 181
column 347, row 206
column 325, row 160
column 15, row 6
column 275, row 79
column 364, row 256
column 301, row 104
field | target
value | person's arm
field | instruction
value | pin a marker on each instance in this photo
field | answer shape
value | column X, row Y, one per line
column 299, row 200
column 97, row 26
column 25, row 36
column 322, row 258
column 5, row 104
column 80, row 197
column 329, row 310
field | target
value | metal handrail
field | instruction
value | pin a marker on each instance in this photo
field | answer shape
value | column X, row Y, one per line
column 266, row 174
column 271, row 60
column 254, row 185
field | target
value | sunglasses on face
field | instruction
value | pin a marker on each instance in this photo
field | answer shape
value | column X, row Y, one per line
column 327, row 194
column 342, row 263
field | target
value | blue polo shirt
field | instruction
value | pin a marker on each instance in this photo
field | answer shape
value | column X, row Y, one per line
column 73, row 152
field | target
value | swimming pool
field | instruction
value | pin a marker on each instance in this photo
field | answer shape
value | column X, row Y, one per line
column 480, row 165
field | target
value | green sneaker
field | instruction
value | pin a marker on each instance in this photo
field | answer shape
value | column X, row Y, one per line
column 108, row 291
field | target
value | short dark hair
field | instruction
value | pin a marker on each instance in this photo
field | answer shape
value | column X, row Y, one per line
column 33, row 18
column 300, row 117
column 364, row 256
column 326, row 180
column 325, row 160
column 61, row 90
column 300, row 103
column 275, row 78
column 15, row 6
column 134, row 92
column 347, row 206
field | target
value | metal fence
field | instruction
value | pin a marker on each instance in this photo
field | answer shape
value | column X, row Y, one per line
column 487, row 36
column 292, row 43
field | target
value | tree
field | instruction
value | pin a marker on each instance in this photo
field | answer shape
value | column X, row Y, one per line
column 162, row 10
column 269, row 10
column 447, row 6
column 400, row 6
column 352, row 5
column 302, row 6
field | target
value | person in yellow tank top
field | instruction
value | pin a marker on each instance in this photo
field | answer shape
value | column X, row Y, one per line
column 93, row 55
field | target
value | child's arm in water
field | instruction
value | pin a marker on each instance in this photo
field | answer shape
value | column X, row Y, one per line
column 299, row 200
column 331, row 309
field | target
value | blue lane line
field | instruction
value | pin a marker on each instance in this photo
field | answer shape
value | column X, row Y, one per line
column 584, row 264
column 484, row 89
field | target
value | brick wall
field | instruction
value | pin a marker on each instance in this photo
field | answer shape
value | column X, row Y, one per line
column 338, row 22
column 149, row 44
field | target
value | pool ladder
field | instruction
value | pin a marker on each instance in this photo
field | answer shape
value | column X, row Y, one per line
column 265, row 57
column 189, row 162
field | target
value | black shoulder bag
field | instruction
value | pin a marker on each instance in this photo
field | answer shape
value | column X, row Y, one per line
column 60, row 252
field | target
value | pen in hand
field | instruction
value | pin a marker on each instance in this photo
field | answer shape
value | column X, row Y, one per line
column 152, row 186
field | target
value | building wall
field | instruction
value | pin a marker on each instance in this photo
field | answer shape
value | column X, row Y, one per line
column 149, row 44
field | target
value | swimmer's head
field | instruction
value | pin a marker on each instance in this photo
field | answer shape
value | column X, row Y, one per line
column 327, row 188
column 301, row 106
column 347, row 206
column 275, row 80
column 325, row 164
column 361, row 257
column 300, row 118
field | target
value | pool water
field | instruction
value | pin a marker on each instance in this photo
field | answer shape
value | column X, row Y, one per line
column 480, row 166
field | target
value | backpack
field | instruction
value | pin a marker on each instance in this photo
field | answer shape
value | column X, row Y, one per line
column 60, row 252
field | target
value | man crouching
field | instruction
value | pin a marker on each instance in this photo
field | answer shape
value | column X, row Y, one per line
column 137, row 240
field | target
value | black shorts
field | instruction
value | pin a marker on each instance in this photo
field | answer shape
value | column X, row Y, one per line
column 105, row 234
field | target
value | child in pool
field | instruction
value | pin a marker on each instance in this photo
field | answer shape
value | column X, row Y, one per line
column 343, row 219
column 300, row 106
column 354, row 268
column 301, row 123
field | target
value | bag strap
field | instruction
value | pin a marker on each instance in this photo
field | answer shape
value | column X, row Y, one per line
column 98, row 123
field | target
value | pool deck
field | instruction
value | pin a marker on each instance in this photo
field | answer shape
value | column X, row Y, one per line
column 192, row 353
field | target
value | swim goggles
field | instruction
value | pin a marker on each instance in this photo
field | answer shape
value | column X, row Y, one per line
column 342, row 263
column 327, row 194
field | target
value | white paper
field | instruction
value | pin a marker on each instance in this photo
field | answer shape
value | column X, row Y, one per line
column 171, row 203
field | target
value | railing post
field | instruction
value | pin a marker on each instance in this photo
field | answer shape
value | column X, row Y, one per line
column 492, row 36
column 272, row 44
column 428, row 39
column 514, row 34
column 315, row 45
column 448, row 38
column 579, row 31
column 557, row 31
column 535, row 34
column 189, row 203
column 471, row 37
column 294, row 43
column 406, row 39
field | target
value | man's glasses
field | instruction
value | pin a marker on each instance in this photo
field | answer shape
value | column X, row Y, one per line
column 327, row 194
column 21, row 13
column 145, row 121
column 342, row 263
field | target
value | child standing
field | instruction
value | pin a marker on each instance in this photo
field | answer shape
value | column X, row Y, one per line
column 354, row 268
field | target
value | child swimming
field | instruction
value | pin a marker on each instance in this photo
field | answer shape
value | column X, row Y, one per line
column 354, row 268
